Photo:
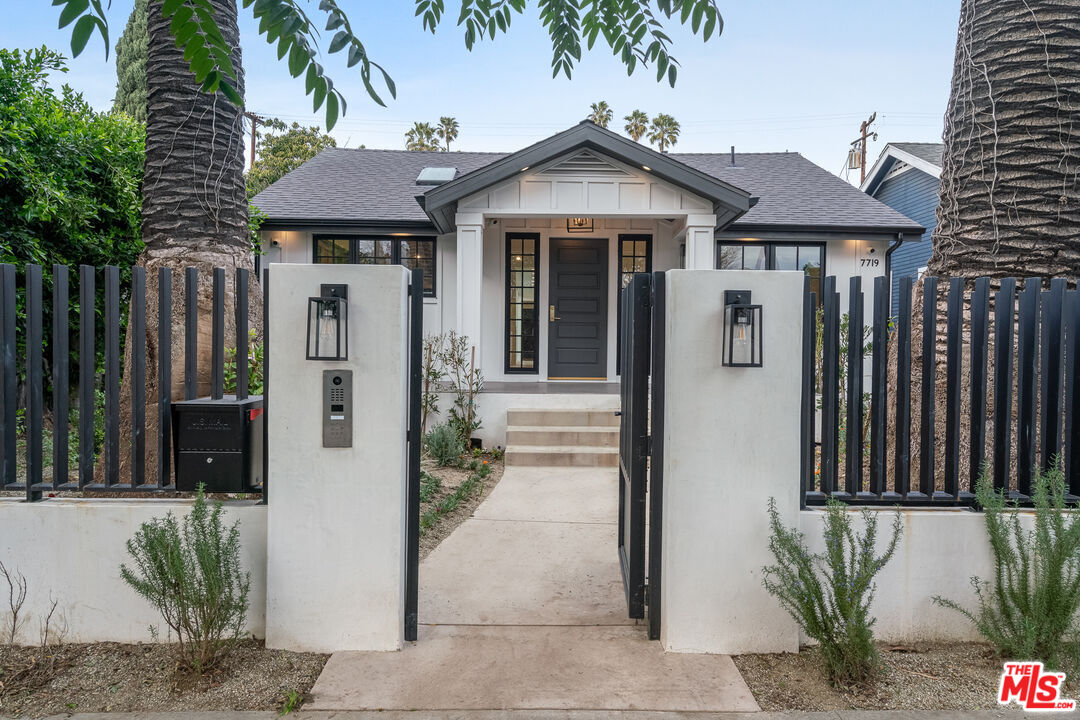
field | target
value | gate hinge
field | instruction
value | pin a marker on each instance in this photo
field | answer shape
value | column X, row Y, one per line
column 646, row 446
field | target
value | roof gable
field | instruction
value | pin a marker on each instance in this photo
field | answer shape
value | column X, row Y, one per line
column 728, row 201
column 921, row 156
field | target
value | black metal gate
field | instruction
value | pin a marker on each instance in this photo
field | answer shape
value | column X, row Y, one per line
column 412, row 506
column 642, row 351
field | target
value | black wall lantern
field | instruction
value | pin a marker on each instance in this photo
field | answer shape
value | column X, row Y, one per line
column 328, row 324
column 742, row 330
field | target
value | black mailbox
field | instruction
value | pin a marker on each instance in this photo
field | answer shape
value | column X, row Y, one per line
column 218, row 443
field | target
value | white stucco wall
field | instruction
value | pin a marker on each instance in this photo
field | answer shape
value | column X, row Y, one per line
column 70, row 550
column 730, row 443
column 336, row 525
column 940, row 551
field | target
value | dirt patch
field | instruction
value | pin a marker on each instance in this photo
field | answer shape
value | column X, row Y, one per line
column 925, row 676
column 450, row 479
column 112, row 677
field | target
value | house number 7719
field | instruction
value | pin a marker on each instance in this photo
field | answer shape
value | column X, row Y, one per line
column 869, row 262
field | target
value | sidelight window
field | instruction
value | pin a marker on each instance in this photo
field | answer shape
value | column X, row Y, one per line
column 522, row 327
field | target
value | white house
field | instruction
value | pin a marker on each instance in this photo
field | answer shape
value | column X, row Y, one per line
column 526, row 253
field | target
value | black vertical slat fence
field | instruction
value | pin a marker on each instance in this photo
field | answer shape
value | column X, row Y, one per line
column 30, row 475
column 1031, row 347
column 807, row 448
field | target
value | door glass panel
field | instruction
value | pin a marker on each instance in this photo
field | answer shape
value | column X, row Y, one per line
column 521, row 326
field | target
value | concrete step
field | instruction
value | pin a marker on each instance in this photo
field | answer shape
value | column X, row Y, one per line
column 561, row 456
column 561, row 418
column 553, row 435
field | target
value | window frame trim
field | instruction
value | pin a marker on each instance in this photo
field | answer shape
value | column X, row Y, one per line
column 395, row 251
column 770, row 250
column 507, row 237
column 631, row 237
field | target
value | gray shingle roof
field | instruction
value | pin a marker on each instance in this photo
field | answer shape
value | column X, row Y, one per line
column 930, row 152
column 378, row 186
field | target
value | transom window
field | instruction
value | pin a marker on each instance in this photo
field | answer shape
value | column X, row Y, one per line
column 808, row 257
column 522, row 328
column 413, row 252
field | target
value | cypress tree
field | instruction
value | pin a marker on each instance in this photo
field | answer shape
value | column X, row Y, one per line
column 131, row 51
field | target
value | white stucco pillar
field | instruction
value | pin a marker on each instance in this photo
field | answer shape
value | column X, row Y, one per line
column 470, row 276
column 731, row 442
column 700, row 242
column 335, row 561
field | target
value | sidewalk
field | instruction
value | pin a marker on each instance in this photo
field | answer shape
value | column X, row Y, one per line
column 522, row 608
column 561, row 715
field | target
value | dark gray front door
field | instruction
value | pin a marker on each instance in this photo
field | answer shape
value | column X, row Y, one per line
column 578, row 310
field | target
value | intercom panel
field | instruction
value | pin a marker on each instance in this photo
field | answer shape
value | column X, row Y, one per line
column 337, row 408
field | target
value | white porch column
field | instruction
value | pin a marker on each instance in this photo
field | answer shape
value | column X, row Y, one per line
column 470, row 276
column 700, row 242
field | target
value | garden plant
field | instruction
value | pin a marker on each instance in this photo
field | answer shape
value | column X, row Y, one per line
column 829, row 594
column 190, row 571
column 1028, row 610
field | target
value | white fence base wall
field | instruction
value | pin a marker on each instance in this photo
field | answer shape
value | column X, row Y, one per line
column 939, row 553
column 70, row 550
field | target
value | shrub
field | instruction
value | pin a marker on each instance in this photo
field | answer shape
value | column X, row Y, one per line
column 444, row 445
column 1028, row 611
column 829, row 594
column 190, row 571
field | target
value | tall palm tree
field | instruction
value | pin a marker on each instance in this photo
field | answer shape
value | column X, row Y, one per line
column 1011, row 163
column 664, row 132
column 601, row 114
column 421, row 136
column 637, row 124
column 195, row 210
column 447, row 130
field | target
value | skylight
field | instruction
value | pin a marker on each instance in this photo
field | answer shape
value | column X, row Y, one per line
column 435, row 175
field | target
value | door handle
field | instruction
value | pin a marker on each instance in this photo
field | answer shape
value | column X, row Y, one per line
column 552, row 317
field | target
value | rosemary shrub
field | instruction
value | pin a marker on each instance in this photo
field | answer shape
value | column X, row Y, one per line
column 1028, row 611
column 190, row 571
column 829, row 594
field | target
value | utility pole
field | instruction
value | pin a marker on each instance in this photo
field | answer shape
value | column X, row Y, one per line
column 857, row 153
column 256, row 120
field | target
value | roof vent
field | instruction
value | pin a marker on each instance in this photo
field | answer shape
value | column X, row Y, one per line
column 436, row 175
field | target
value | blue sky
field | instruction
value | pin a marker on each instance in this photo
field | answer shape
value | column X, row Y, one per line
column 785, row 75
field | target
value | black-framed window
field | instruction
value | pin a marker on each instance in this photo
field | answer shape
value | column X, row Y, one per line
column 808, row 257
column 522, row 289
column 410, row 252
column 635, row 256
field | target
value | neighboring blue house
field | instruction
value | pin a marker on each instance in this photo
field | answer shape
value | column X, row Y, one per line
column 906, row 177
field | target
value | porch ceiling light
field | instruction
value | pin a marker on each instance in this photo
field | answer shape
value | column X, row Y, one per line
column 742, row 331
column 328, row 324
column 646, row 168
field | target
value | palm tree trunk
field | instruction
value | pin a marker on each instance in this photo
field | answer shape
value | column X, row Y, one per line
column 1010, row 177
column 194, row 205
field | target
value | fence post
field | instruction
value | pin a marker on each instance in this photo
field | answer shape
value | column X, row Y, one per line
column 1027, row 362
column 34, row 383
column 191, row 333
column 879, row 386
column 902, row 480
column 1051, row 376
column 1072, row 395
column 87, row 370
column 953, row 341
column 241, row 357
column 807, row 444
column 854, row 474
column 217, row 337
column 980, row 328
column 830, row 388
column 112, row 375
column 164, row 438
column 60, row 375
column 137, row 321
column 8, row 413
column 1004, row 302
column 928, row 409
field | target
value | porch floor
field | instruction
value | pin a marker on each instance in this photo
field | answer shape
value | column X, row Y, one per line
column 522, row 607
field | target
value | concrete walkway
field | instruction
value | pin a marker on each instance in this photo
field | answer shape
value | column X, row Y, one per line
column 564, row 715
column 522, row 608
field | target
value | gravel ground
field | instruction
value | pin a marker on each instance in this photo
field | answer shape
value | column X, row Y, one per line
column 111, row 677
column 926, row 676
column 451, row 478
